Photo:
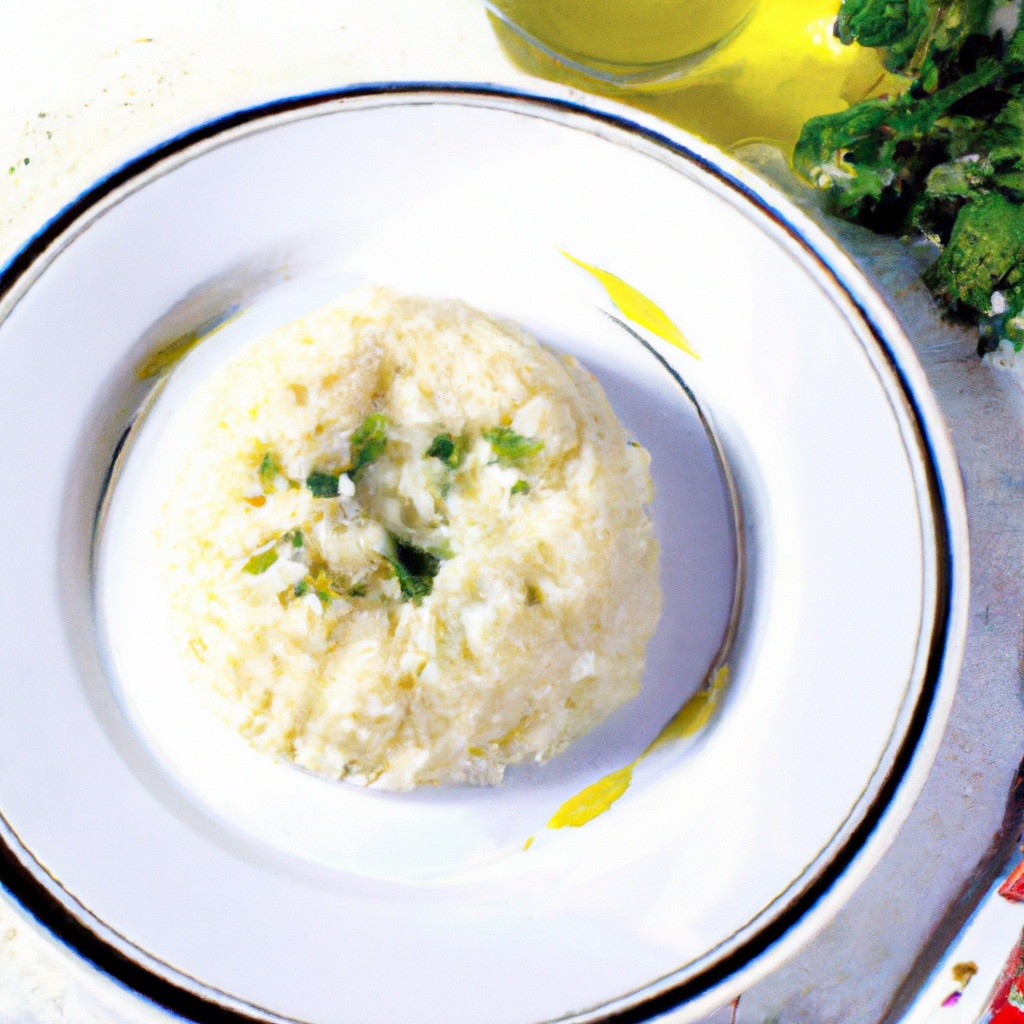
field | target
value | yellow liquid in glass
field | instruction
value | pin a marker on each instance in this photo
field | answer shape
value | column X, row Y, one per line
column 784, row 67
column 626, row 32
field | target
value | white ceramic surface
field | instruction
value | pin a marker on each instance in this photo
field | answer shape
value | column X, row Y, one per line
column 323, row 903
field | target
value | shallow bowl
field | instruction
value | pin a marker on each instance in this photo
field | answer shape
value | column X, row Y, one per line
column 808, row 506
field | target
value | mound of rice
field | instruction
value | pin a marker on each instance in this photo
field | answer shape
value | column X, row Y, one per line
column 408, row 545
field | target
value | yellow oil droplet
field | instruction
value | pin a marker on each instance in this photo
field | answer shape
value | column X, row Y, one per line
column 166, row 357
column 174, row 351
column 635, row 306
column 690, row 719
column 695, row 714
column 594, row 800
column 528, row 843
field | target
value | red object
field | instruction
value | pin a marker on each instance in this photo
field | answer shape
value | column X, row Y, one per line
column 1003, row 1011
column 1013, row 888
column 1008, row 1015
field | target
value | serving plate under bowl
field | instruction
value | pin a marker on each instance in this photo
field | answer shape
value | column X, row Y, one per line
column 229, row 886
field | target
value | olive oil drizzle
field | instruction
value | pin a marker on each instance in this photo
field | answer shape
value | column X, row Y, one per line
column 693, row 717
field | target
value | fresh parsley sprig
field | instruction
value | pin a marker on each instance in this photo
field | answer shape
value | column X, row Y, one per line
column 944, row 160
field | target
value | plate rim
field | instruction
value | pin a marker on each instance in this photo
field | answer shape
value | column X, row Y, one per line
column 755, row 956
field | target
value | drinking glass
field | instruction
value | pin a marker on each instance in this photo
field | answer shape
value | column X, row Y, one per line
column 623, row 43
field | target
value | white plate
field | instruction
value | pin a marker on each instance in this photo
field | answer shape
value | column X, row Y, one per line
column 214, row 879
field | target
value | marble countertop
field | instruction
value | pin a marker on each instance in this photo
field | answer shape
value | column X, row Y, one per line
column 87, row 87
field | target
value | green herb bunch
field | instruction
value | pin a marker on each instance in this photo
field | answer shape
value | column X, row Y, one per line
column 945, row 159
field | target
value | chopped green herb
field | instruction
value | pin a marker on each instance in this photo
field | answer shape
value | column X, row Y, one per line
column 442, row 550
column 442, row 447
column 414, row 588
column 323, row 485
column 520, row 487
column 357, row 591
column 325, row 588
column 270, row 468
column 261, row 562
column 510, row 447
column 450, row 450
column 414, row 568
column 417, row 561
column 301, row 589
column 295, row 537
column 368, row 443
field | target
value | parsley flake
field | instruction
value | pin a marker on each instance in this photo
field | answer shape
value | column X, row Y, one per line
column 510, row 447
column 261, row 562
column 323, row 485
column 368, row 443
column 414, row 568
column 450, row 450
column 270, row 468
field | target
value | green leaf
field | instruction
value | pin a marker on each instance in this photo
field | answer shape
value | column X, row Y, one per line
column 261, row 562
column 510, row 447
column 1010, row 183
column 520, row 487
column 323, row 485
column 907, row 30
column 414, row 588
column 414, row 568
column 1015, row 47
column 956, row 179
column 270, row 469
column 367, row 444
column 450, row 450
column 442, row 447
column 876, row 160
column 986, row 244
column 881, row 22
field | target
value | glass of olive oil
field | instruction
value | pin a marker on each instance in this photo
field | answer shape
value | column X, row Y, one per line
column 622, row 43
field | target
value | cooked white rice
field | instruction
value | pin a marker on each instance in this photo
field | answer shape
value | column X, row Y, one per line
column 444, row 615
